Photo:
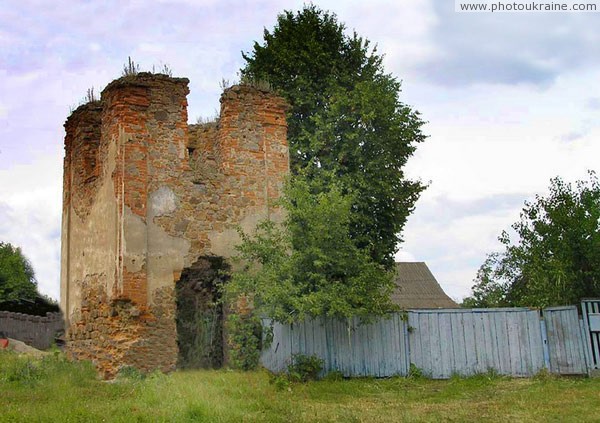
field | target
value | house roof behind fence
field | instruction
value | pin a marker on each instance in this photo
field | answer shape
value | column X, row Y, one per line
column 416, row 287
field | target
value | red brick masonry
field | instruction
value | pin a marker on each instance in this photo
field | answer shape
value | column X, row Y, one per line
column 145, row 194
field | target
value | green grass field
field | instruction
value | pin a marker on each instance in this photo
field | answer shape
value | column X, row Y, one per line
column 54, row 390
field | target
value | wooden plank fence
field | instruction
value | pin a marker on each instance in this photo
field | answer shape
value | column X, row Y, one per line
column 566, row 347
column 509, row 341
column 355, row 349
column 467, row 342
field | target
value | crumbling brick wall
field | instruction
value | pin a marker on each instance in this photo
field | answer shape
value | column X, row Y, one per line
column 145, row 195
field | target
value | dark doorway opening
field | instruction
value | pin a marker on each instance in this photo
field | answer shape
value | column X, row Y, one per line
column 200, row 313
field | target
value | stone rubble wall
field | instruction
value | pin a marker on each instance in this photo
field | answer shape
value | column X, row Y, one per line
column 144, row 196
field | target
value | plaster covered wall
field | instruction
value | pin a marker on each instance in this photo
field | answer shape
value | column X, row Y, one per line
column 146, row 195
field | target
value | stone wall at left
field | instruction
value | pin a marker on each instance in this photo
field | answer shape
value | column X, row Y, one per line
column 38, row 331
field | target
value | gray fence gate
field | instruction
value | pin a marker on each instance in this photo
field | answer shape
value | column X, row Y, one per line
column 591, row 322
column 566, row 345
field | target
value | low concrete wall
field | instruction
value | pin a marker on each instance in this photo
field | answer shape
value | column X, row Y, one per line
column 37, row 331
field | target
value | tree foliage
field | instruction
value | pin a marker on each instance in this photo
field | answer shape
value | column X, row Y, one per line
column 308, row 266
column 556, row 258
column 346, row 123
column 17, row 279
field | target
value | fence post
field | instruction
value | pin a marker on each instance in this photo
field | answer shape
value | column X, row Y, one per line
column 586, row 345
column 545, row 342
column 405, row 326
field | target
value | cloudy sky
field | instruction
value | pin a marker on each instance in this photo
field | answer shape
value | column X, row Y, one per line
column 511, row 100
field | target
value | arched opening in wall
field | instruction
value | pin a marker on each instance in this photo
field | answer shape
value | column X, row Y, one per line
column 199, row 315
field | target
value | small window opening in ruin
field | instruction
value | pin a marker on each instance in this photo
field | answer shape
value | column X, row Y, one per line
column 200, row 313
column 190, row 151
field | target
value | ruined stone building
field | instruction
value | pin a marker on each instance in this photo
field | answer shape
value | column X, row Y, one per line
column 150, row 210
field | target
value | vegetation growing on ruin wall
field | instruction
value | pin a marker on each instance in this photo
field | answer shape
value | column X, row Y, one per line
column 308, row 266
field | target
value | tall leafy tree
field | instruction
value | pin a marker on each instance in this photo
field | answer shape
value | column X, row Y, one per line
column 346, row 122
column 17, row 279
column 308, row 266
column 555, row 258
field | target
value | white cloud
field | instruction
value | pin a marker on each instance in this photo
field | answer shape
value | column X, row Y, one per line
column 494, row 139
column 401, row 30
column 489, row 141
column 511, row 100
column 30, row 215
column 510, row 48
column 151, row 48
column 453, row 235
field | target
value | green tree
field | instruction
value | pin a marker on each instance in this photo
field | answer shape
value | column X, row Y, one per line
column 17, row 279
column 346, row 123
column 308, row 266
column 556, row 257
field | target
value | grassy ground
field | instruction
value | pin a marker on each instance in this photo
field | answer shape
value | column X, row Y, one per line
column 54, row 390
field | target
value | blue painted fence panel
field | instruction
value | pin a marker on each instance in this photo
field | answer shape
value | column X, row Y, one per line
column 355, row 349
column 508, row 341
column 467, row 342
column 566, row 341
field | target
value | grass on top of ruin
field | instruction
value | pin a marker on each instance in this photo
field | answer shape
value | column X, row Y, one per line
column 54, row 390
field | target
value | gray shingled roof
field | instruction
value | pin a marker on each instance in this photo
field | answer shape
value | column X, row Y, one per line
column 416, row 287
